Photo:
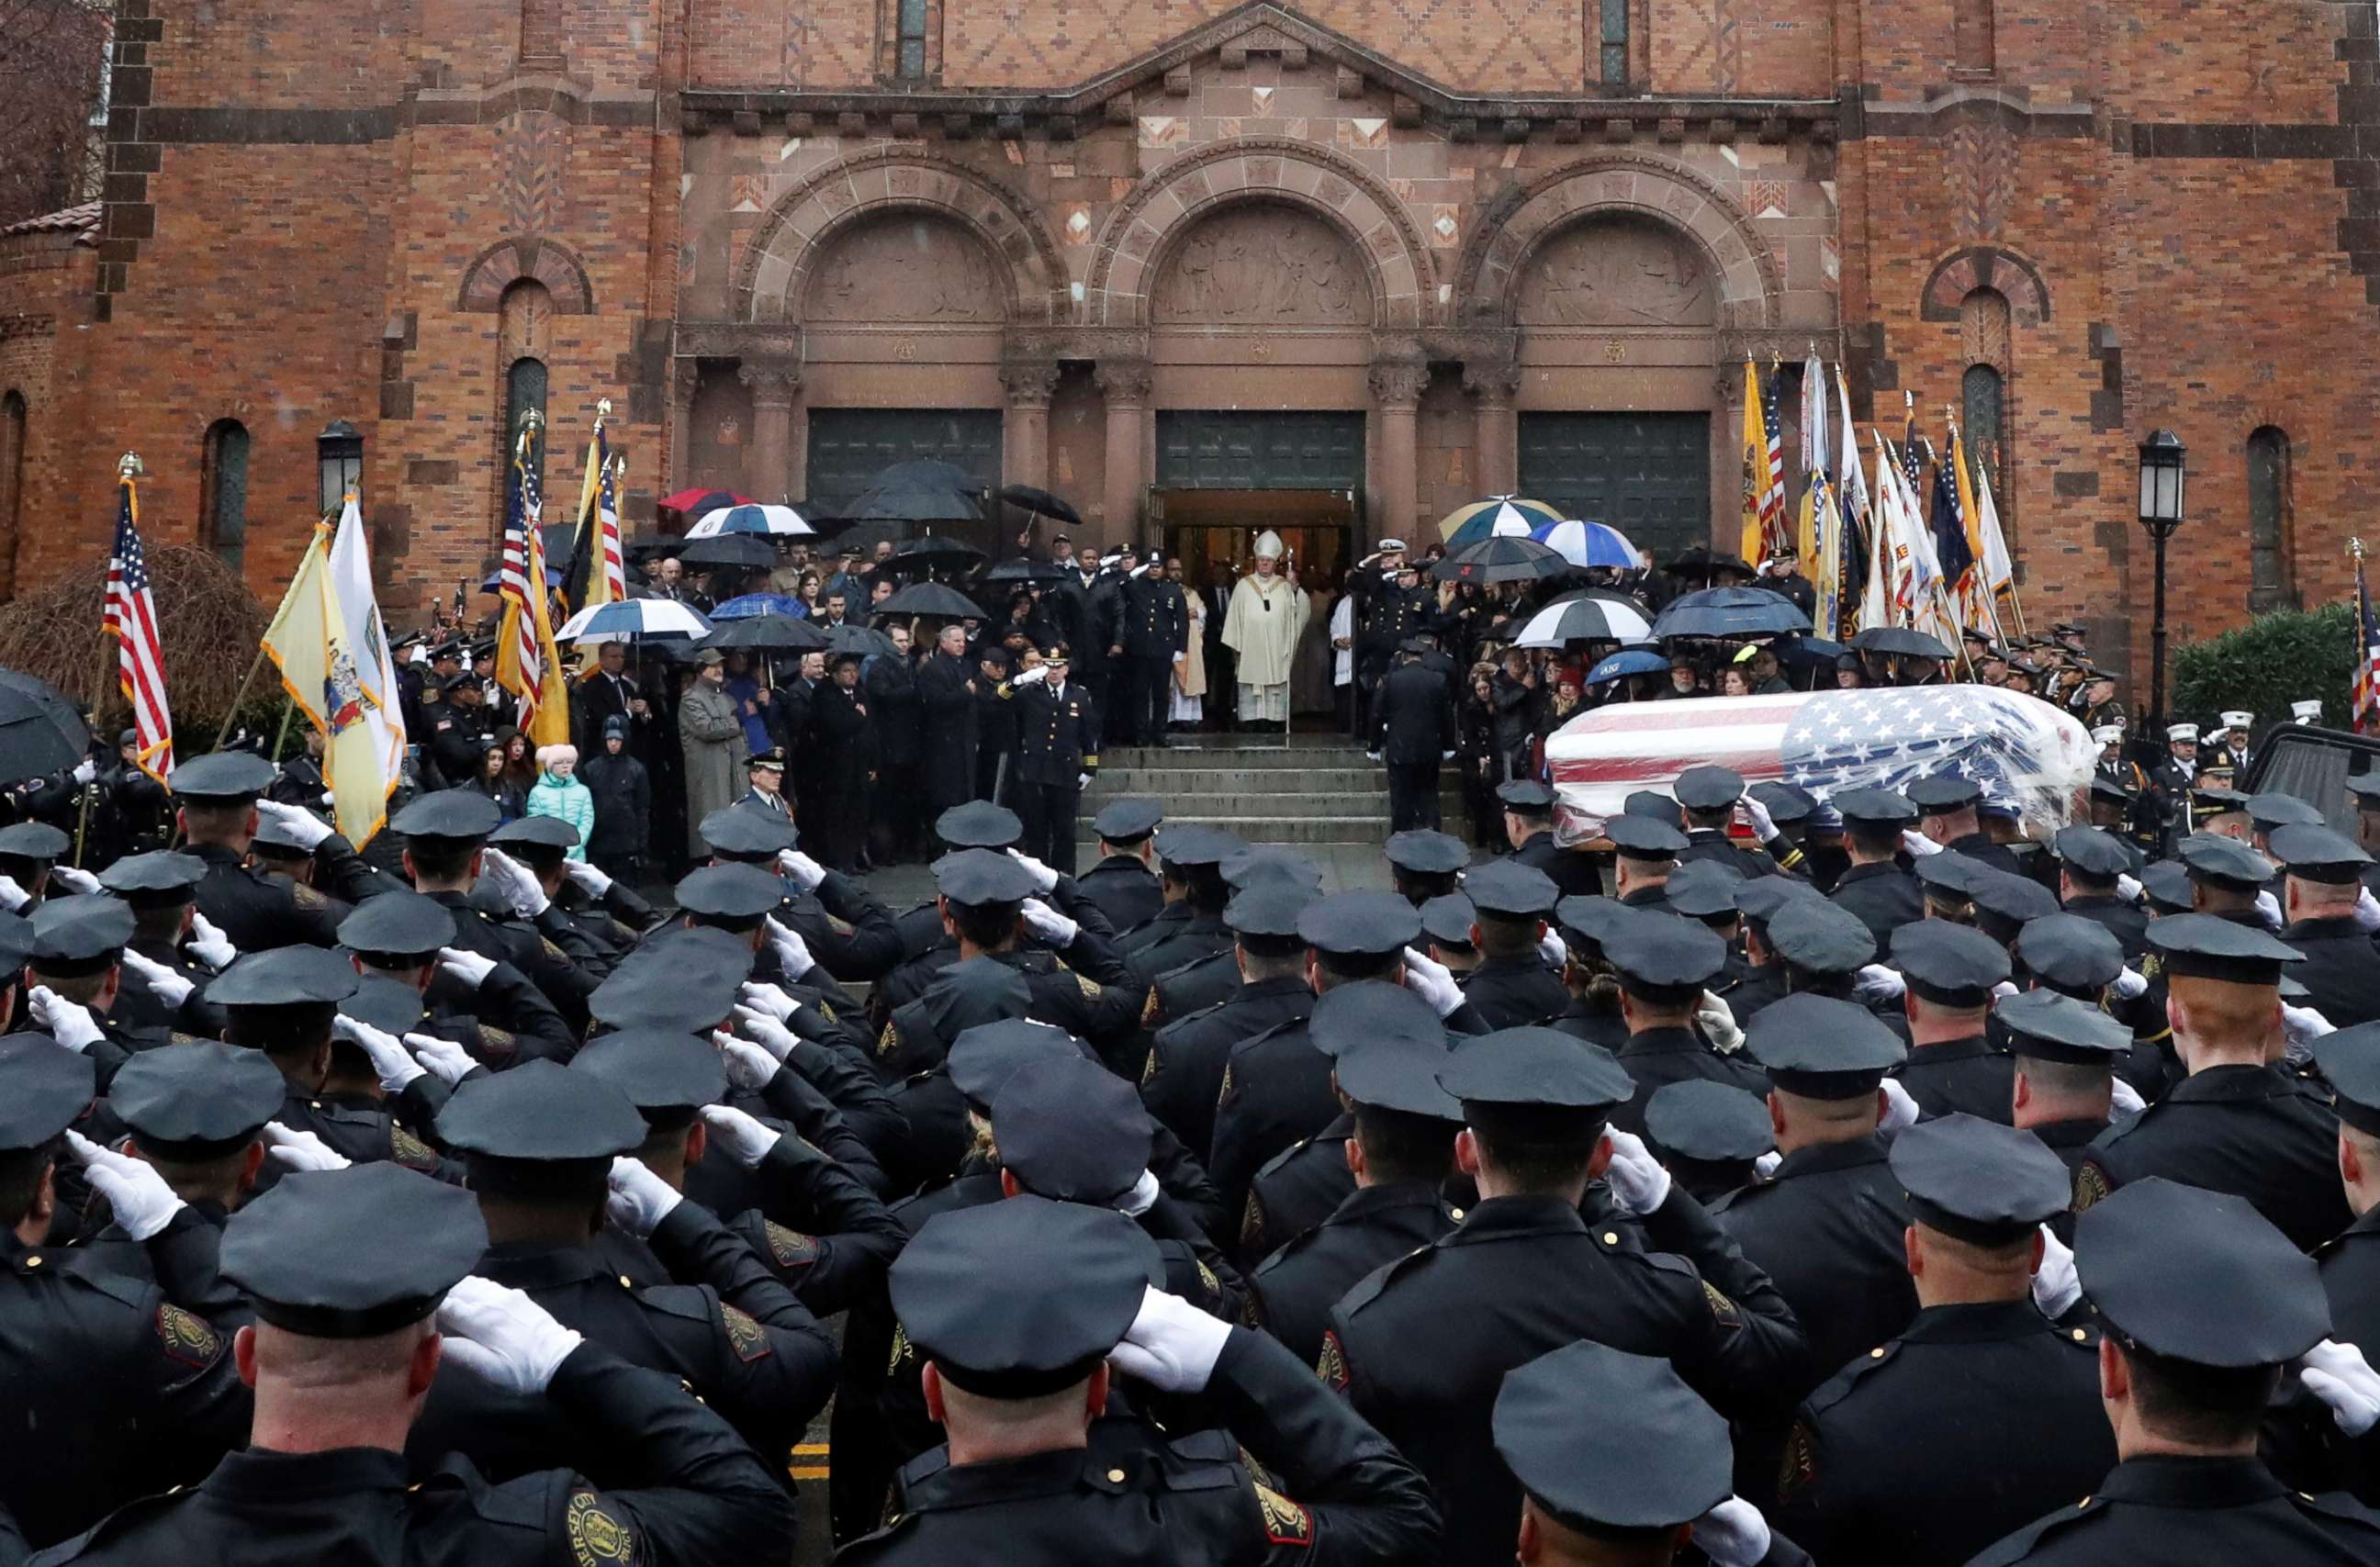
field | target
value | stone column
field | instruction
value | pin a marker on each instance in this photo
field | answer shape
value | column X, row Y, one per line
column 769, row 472
column 684, row 376
column 1025, row 429
column 1496, row 431
column 1124, row 384
column 1396, row 390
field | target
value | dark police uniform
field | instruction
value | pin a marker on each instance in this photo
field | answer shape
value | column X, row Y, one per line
column 1057, row 742
column 1291, row 1292
column 2128, row 923
column 1412, row 727
column 1884, row 896
column 1660, row 1056
column 1155, row 627
column 1714, row 845
column 2341, row 971
column 2255, row 1131
column 1511, row 992
column 1125, row 890
column 1185, row 1072
column 1297, row 1189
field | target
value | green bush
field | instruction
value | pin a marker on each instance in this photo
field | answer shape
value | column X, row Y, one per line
column 2265, row 666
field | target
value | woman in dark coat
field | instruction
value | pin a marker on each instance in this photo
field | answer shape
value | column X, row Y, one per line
column 1474, row 750
column 624, row 802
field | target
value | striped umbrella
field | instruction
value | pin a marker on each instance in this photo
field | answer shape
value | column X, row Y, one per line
column 1590, row 543
column 1585, row 617
column 1496, row 515
column 783, row 522
column 633, row 620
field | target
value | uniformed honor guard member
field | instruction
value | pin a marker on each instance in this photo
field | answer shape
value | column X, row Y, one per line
column 1446, row 925
column 2185, row 1376
column 846, row 929
column 1529, row 828
column 1647, row 852
column 2225, row 875
column 1190, row 926
column 218, row 798
column 1874, row 886
column 161, row 888
column 1122, row 884
column 1951, row 972
column 1615, row 1453
column 114, row 1389
column 1187, row 1056
column 501, row 1018
column 1024, row 1312
column 1761, row 978
column 1594, row 1013
column 1206, row 980
column 281, row 851
column 1947, row 883
column 1425, row 863
column 1513, row 984
column 27, row 850
column 1057, row 755
column 1710, row 1137
column 1412, row 730
column 1709, row 795
column 588, row 935
column 1705, row 891
column 1665, row 963
column 2066, row 1053
column 2350, row 1262
column 1947, row 813
column 1983, row 1414
column 2091, row 863
column 76, row 959
column 2271, row 810
column 445, row 853
column 2341, row 972
column 1422, row 1347
column 341, row 1354
column 2004, row 902
column 2238, row 1123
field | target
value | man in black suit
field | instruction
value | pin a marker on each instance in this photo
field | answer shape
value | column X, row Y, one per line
column 1414, row 730
column 609, row 690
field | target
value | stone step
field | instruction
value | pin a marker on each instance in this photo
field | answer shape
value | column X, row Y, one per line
column 1368, row 831
column 1181, row 783
column 1338, row 754
column 1187, row 803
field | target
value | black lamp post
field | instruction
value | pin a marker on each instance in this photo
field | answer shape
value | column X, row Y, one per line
column 339, row 451
column 2161, row 485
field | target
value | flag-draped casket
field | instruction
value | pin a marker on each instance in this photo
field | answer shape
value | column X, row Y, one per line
column 2015, row 747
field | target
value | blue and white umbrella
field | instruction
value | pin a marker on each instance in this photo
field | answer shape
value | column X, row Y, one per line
column 759, row 603
column 1590, row 543
column 781, row 521
column 633, row 620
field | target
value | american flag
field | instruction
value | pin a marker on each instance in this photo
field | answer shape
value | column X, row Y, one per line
column 607, row 516
column 131, row 619
column 1775, row 527
column 513, row 583
column 2367, row 665
column 2014, row 747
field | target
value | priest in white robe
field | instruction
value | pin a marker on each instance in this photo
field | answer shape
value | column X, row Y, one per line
column 1268, row 615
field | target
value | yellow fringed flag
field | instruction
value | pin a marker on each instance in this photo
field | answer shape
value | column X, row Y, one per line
column 1755, row 465
column 527, row 662
column 342, row 682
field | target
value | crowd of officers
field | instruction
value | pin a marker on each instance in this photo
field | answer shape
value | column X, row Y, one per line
column 1878, row 1185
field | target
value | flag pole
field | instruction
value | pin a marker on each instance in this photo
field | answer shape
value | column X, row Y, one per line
column 110, row 652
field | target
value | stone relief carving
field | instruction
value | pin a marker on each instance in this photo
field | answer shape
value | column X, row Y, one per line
column 1622, row 271
column 1264, row 265
column 904, row 267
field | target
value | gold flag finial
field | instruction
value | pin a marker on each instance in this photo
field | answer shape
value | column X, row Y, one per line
column 127, row 466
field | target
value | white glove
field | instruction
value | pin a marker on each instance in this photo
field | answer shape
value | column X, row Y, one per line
column 773, row 1038
column 1638, row 1183
column 85, row 771
column 469, row 967
column 2268, row 909
column 2005, row 988
column 1049, row 924
column 420, row 654
column 75, row 878
column 13, row 897
column 2124, row 1099
column 762, row 997
column 2130, row 985
column 638, row 1200
column 1763, row 825
column 1045, row 881
column 65, row 1021
column 806, row 873
column 1877, row 982
column 1181, row 658
column 596, row 881
column 1082, row 781
column 793, row 953
column 511, row 884
column 305, row 828
column 1918, row 844
column 143, row 1204
column 2129, row 888
column 330, row 799
column 162, row 982
column 2055, row 1285
column 2300, row 1027
column 1143, row 1194
column 2338, row 1374
column 293, row 1149
column 1433, row 982
column 1718, row 1019
column 1900, row 1109
column 748, row 1066
column 1733, row 1534
column 391, row 1062
column 1033, row 676
column 2367, row 910
column 502, row 1336
column 450, row 1061
column 209, row 945
column 1553, row 949
column 1766, row 1165
column 1371, row 756
column 747, row 1141
column 1172, row 1345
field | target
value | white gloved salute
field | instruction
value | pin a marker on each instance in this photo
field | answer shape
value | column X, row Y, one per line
column 748, row 1066
column 767, row 1033
column 391, row 1062
column 293, row 1149
column 802, row 870
column 1718, row 1025
column 12, row 897
column 638, row 1200
column 209, row 945
column 511, row 883
column 2300, row 1027
column 762, row 997
column 596, row 880
column 85, row 771
column 2129, row 888
column 1918, row 844
column 1900, row 1109
column 1049, row 924
column 1876, row 982
column 1045, row 881
column 1553, row 949
column 747, row 1142
column 1756, row 817
column 2268, row 909
column 2367, row 910
column 2130, row 985
column 502, row 1336
column 162, row 982
column 2124, row 1099
column 2338, row 1374
column 1033, row 676
column 2055, row 1285
column 1433, row 982
column 1638, row 1183
column 142, row 1201
column 69, row 1022
column 450, row 1061
column 74, row 878
column 793, row 953
column 469, row 967
column 1143, row 1194
column 1171, row 1344
column 1733, row 1534
column 305, row 828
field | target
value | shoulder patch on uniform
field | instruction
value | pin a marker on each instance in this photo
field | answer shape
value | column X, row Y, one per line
column 1286, row 1523
column 2090, row 1183
column 556, row 954
column 1723, row 1311
column 1799, row 1465
column 1206, row 1279
column 597, row 1538
column 1251, row 1223
column 306, row 897
column 901, row 1350
column 839, row 924
column 1149, row 1066
column 1090, row 988
column 887, row 1039
column 825, row 1010
column 187, row 1338
column 1223, row 1093
column 497, row 1040
column 790, row 1248
column 1152, row 1010
column 410, row 1150
column 744, row 1334
column 1331, row 1365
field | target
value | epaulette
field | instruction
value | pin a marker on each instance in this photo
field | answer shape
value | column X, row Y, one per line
column 1367, row 1289
column 2020, row 1545
column 691, row 1303
column 1277, row 1161
column 1838, row 1387
column 1174, row 1023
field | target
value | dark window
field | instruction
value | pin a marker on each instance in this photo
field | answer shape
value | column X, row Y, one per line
column 12, row 484
column 1615, row 41
column 1647, row 475
column 913, row 36
column 523, row 395
column 1202, row 450
column 1980, row 390
column 1972, row 49
column 2268, row 519
column 223, row 492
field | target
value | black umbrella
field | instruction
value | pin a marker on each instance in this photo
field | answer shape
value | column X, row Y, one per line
column 929, row 552
column 1025, row 568
column 911, row 502
column 934, row 599
column 1731, row 612
column 730, row 548
column 1812, row 652
column 774, row 632
column 1900, row 640
column 1502, row 558
column 861, row 639
column 1703, row 561
column 1041, row 503
column 40, row 731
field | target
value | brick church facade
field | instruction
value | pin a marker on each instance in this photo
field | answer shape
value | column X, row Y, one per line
column 1346, row 264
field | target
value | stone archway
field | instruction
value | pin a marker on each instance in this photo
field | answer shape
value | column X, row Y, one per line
column 528, row 259
column 1964, row 271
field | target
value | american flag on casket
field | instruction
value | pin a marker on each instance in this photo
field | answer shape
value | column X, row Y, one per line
column 2015, row 747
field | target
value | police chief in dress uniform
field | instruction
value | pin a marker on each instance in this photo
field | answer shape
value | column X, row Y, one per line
column 1421, row 1347
column 1875, row 887
column 2341, row 971
column 1952, row 1068
column 1412, row 730
column 1513, row 984
column 1057, row 753
column 2185, row 1374
column 344, row 1348
column 1983, row 1414
column 1187, row 1056
column 1122, row 886
column 1664, row 961
column 2238, row 1124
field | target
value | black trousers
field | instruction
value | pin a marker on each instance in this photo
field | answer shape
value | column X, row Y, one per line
column 1413, row 795
column 1047, row 812
column 1147, row 691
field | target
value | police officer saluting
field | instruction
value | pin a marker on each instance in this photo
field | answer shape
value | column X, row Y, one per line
column 1952, row 971
column 1512, row 985
column 2340, row 972
column 1664, row 962
column 1122, row 884
column 2066, row 1053
column 1875, row 887
column 1057, row 753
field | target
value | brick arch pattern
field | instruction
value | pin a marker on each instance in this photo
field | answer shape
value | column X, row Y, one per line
column 1963, row 272
column 773, row 277
column 1149, row 222
column 1750, row 290
column 508, row 261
